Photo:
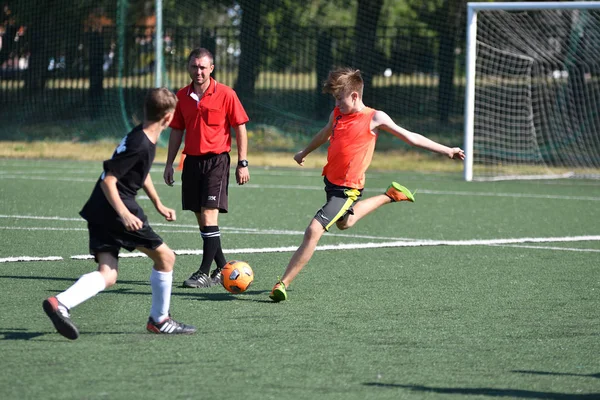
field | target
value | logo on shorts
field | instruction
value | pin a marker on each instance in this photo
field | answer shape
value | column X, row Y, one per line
column 212, row 198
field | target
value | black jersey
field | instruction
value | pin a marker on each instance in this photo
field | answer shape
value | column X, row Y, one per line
column 130, row 164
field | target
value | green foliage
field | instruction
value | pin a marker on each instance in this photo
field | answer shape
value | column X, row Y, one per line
column 292, row 34
column 321, row 13
column 201, row 14
column 65, row 12
column 397, row 13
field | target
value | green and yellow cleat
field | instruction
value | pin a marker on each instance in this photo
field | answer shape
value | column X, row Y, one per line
column 278, row 293
column 397, row 192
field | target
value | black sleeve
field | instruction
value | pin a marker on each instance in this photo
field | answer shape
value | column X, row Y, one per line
column 124, row 158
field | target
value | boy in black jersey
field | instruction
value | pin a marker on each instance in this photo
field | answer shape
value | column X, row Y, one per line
column 116, row 221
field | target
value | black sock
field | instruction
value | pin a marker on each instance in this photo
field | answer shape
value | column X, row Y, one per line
column 219, row 257
column 211, row 238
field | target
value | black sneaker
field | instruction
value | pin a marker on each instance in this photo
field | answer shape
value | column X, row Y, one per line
column 61, row 319
column 216, row 277
column 169, row 327
column 198, row 280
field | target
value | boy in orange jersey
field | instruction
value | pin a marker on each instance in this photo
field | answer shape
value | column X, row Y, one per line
column 352, row 131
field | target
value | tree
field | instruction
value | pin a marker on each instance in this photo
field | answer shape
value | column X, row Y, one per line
column 39, row 46
column 447, row 57
column 249, row 47
column 284, row 19
column 53, row 28
column 7, row 38
column 444, row 17
column 365, row 34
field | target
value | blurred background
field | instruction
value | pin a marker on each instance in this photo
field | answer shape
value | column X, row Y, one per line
column 78, row 70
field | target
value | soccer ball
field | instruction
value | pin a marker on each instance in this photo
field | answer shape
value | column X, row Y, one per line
column 237, row 276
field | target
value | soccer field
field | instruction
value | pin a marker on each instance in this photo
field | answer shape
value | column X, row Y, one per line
column 476, row 290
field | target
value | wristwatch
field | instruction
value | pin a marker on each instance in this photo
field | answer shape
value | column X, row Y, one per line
column 243, row 163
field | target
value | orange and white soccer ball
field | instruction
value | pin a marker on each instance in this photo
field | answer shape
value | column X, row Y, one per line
column 237, row 276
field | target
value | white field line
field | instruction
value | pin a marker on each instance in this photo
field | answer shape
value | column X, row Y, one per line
column 504, row 194
column 52, row 171
column 36, row 162
column 40, row 218
column 292, row 171
column 320, row 188
column 27, row 258
column 45, row 178
column 356, row 246
column 193, row 228
column 39, row 228
column 447, row 193
column 443, row 192
column 267, row 186
column 230, row 231
column 548, row 248
column 155, row 169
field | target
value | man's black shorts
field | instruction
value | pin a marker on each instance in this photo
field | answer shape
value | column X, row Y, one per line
column 111, row 239
column 205, row 182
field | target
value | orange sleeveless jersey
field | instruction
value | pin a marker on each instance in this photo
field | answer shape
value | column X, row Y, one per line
column 351, row 148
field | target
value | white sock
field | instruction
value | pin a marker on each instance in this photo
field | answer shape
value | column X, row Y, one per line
column 161, row 283
column 86, row 287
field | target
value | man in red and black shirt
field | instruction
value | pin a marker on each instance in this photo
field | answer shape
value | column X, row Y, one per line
column 206, row 111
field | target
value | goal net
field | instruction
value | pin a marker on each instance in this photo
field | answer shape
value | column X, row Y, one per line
column 533, row 90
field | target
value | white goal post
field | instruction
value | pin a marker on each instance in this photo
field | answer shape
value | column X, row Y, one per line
column 532, row 97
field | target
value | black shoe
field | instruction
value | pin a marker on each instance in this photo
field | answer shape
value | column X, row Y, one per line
column 61, row 320
column 216, row 277
column 169, row 327
column 198, row 280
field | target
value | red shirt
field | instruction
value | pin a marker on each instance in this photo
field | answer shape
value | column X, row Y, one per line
column 351, row 147
column 207, row 121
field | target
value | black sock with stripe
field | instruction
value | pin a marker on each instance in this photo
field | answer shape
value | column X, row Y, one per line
column 211, row 238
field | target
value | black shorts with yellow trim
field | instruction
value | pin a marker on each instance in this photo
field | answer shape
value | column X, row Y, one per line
column 340, row 200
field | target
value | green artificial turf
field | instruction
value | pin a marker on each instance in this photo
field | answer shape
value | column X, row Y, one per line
column 452, row 319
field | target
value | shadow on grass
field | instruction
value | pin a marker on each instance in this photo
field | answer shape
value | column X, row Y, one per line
column 597, row 375
column 224, row 296
column 190, row 294
column 492, row 392
column 178, row 291
column 23, row 334
column 117, row 289
column 19, row 334
column 71, row 280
